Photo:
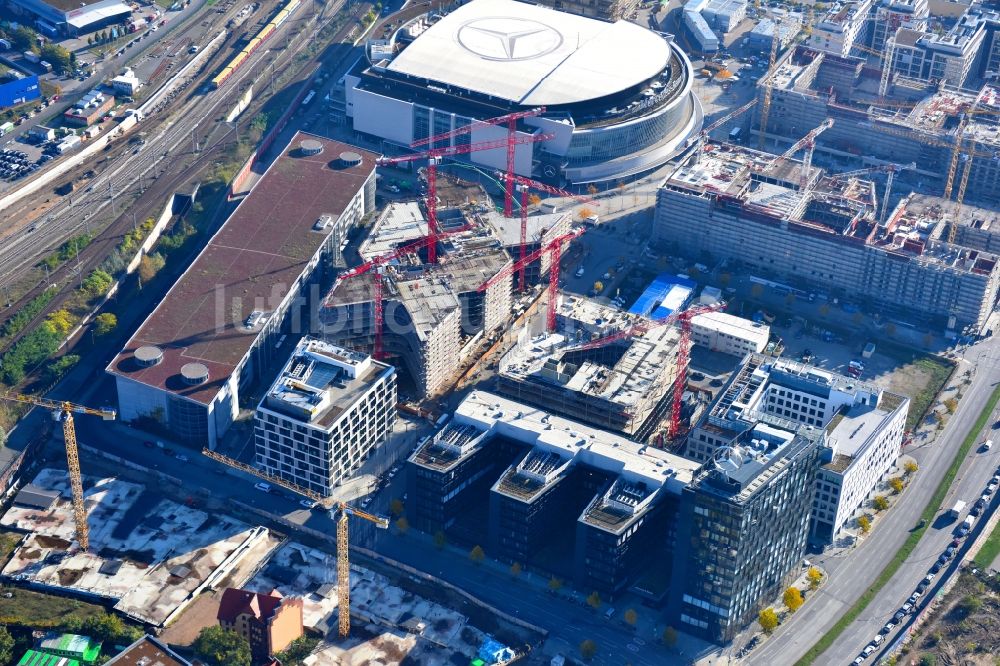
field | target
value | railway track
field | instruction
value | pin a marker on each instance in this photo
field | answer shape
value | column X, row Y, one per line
column 172, row 133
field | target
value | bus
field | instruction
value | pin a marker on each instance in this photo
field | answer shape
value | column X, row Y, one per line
column 308, row 98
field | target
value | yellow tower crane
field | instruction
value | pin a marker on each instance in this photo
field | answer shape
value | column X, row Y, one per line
column 765, row 106
column 63, row 411
column 344, row 561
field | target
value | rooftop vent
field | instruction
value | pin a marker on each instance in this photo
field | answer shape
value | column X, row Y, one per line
column 310, row 147
column 194, row 373
column 148, row 356
column 346, row 160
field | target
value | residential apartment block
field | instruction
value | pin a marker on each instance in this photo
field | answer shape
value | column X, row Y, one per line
column 324, row 415
column 269, row 622
column 747, row 207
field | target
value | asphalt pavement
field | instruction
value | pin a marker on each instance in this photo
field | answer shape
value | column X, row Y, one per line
column 852, row 572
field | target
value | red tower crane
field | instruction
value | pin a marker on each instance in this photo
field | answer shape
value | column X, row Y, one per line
column 554, row 247
column 510, row 120
column 374, row 266
column 433, row 157
column 524, row 185
column 684, row 317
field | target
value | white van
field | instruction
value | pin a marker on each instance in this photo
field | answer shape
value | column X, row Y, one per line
column 987, row 445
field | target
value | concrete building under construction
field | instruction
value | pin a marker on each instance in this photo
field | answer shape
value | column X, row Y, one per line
column 435, row 315
column 737, row 204
column 915, row 121
column 622, row 386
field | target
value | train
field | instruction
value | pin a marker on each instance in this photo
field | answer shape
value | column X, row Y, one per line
column 262, row 36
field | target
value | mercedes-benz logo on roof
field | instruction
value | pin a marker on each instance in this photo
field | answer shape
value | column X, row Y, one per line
column 508, row 38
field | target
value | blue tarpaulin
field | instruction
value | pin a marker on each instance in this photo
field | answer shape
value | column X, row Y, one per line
column 664, row 295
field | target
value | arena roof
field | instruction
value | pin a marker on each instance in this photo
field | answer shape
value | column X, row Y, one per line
column 533, row 55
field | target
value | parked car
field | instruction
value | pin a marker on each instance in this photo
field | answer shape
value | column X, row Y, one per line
column 263, row 487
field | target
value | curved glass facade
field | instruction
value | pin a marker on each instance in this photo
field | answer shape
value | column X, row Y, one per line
column 608, row 143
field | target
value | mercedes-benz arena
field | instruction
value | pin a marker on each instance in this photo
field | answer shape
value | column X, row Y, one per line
column 617, row 96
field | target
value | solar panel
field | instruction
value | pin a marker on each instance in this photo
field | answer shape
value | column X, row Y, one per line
column 322, row 375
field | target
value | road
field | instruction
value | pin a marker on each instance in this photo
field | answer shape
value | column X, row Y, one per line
column 851, row 573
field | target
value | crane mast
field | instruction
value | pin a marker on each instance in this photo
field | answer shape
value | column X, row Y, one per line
column 344, row 561
column 64, row 411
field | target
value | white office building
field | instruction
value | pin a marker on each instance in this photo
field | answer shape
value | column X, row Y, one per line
column 862, row 446
column 729, row 334
column 324, row 415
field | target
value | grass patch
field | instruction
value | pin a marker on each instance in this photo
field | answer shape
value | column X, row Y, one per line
column 8, row 542
column 984, row 558
column 35, row 609
column 939, row 371
column 927, row 517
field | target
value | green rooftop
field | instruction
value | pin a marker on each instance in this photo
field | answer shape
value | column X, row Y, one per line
column 33, row 658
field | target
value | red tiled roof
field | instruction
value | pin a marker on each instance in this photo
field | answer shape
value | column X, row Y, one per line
column 250, row 263
column 239, row 602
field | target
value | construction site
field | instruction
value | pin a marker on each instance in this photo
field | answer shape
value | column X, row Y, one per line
column 623, row 386
column 788, row 219
column 148, row 555
column 952, row 135
column 434, row 314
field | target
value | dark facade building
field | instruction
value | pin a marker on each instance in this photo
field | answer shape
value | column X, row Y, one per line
column 744, row 521
column 564, row 497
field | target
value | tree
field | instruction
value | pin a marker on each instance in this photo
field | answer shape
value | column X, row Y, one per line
column 22, row 39
column 6, row 646
column 592, row 189
column 896, row 483
column 534, row 200
column 865, row 524
column 815, row 577
column 477, row 555
column 910, row 468
column 598, row 286
column 515, row 569
column 585, row 213
column 396, row 507
column 880, row 503
column 440, row 540
column 222, row 647
column 757, row 290
column 107, row 627
column 297, row 651
column 793, row 598
column 57, row 56
column 555, row 584
column 594, row 600
column 669, row 637
column 97, row 283
column 630, row 617
column 588, row 649
column 890, row 329
column 61, row 322
column 403, row 525
column 104, row 323
column 90, row 40
column 768, row 620
column 150, row 265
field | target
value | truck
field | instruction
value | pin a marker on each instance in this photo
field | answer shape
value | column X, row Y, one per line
column 956, row 510
column 6, row 127
column 136, row 113
column 969, row 522
column 735, row 134
column 31, row 56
